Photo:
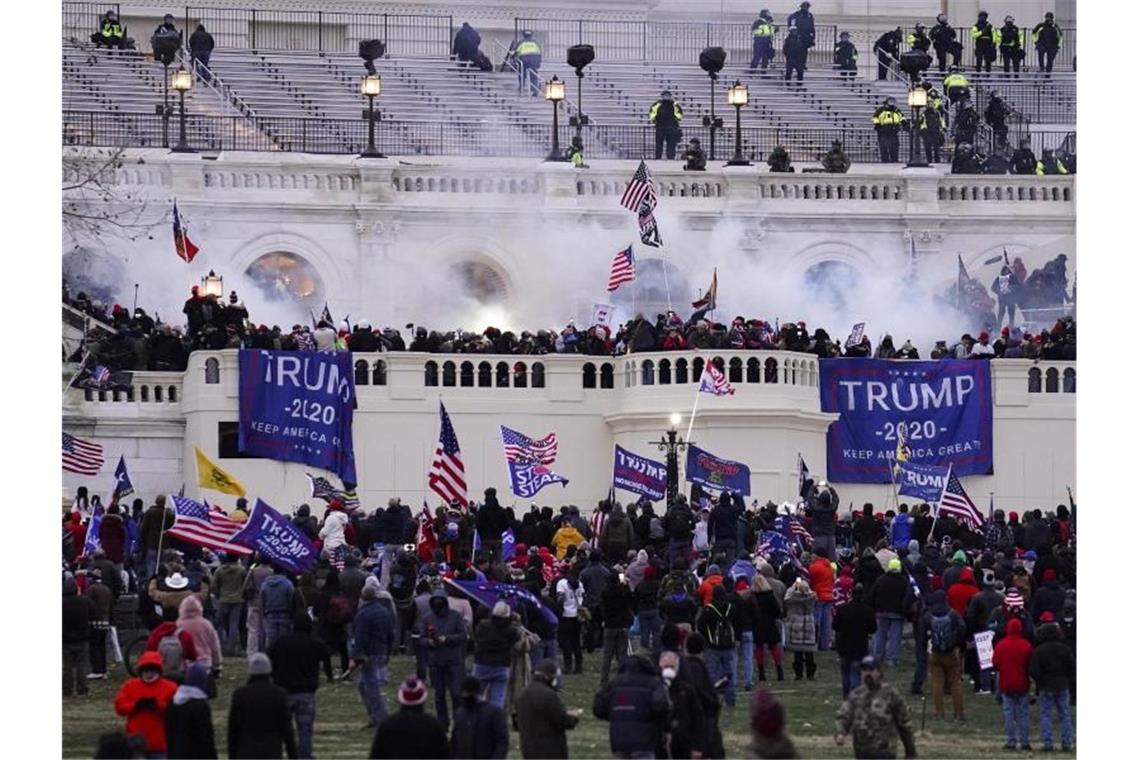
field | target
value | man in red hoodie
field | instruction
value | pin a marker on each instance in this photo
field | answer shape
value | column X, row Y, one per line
column 958, row 597
column 821, row 577
column 1011, row 661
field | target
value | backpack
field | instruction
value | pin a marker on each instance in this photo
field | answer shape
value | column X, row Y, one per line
column 339, row 610
column 678, row 520
column 943, row 635
column 656, row 529
column 721, row 635
column 170, row 650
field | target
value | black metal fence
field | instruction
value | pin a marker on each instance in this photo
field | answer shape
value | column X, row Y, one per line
column 1038, row 102
column 81, row 20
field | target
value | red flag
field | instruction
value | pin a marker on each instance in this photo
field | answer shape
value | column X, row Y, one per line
column 183, row 246
column 425, row 540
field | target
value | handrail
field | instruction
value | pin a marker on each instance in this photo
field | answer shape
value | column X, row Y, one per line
column 226, row 95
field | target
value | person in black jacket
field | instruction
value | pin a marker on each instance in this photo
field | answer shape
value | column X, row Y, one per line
column 201, row 46
column 890, row 597
column 823, row 506
column 694, row 668
column 410, row 732
column 945, row 40
column 466, row 45
column 687, row 732
column 495, row 639
column 189, row 727
column 887, row 49
column 867, row 530
column 1053, row 668
column 636, row 704
column 795, row 54
column 480, row 729
column 78, row 611
column 853, row 624
column 296, row 659
column 617, row 617
column 491, row 520
column 804, row 22
column 259, row 722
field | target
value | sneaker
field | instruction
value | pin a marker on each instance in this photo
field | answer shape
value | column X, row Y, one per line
column 1027, row 747
column 96, row 676
column 1010, row 747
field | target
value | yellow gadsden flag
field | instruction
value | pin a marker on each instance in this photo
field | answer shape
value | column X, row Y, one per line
column 215, row 478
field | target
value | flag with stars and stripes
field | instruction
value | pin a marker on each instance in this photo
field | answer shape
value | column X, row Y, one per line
column 447, row 477
column 196, row 524
column 80, row 456
column 791, row 527
column 522, row 450
column 956, row 501
column 622, row 269
column 714, row 381
column 321, row 488
column 640, row 191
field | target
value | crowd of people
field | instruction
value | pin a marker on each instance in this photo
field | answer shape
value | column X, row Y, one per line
column 698, row 605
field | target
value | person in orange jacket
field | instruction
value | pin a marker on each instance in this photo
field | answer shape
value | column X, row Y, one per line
column 144, row 699
column 713, row 578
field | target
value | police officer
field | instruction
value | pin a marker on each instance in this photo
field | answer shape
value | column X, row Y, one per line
column 805, row 22
column 957, row 86
column 918, row 40
column 876, row 716
column 888, row 119
column 763, row 30
column 795, row 54
column 111, row 33
column 665, row 115
column 945, row 39
column 995, row 116
column 1011, row 44
column 1049, row 164
column 931, row 126
column 887, row 49
column 1023, row 161
column 985, row 41
column 529, row 55
column 1047, row 40
column 846, row 56
column 966, row 122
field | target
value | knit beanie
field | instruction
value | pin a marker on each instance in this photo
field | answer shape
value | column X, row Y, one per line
column 412, row 692
column 767, row 714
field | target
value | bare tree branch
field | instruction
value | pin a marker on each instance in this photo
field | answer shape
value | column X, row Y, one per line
column 95, row 205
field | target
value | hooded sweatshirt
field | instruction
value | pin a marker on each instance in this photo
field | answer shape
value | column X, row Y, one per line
column 206, row 642
column 962, row 592
column 1011, row 660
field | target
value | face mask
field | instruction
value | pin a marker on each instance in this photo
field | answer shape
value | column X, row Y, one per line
column 669, row 674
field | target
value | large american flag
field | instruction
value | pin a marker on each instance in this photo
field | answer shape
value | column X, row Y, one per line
column 791, row 527
column 956, row 502
column 518, row 448
column 639, row 189
column 211, row 528
column 622, row 269
column 446, row 476
column 83, row 457
column 714, row 381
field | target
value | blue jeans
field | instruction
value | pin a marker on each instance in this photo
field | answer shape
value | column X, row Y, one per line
column 303, row 706
column 229, row 613
column 373, row 672
column 746, row 652
column 822, row 613
column 545, row 649
column 1015, row 710
column 276, row 625
column 722, row 664
column 650, row 621
column 445, row 680
column 494, row 680
column 850, row 675
column 528, row 63
column 888, row 638
column 1059, row 699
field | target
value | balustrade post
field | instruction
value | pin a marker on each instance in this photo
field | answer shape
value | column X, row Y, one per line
column 253, row 28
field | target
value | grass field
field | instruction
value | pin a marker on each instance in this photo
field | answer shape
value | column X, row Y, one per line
column 810, row 707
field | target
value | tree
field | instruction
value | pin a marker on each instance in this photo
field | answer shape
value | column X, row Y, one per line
column 95, row 205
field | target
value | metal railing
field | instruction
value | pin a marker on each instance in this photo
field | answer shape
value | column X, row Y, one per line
column 1048, row 103
column 81, row 20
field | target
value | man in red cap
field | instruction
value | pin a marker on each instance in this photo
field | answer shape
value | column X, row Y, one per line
column 982, row 348
column 411, row 732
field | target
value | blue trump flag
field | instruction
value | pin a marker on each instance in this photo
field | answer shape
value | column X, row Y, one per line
column 638, row 475
column 508, row 549
column 529, row 479
column 92, row 543
column 716, row 473
column 487, row 593
column 277, row 538
column 944, row 408
column 296, row 406
column 922, row 481
column 123, row 486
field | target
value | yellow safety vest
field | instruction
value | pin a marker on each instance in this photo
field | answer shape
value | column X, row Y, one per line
column 1060, row 167
column 764, row 30
column 887, row 118
column 1017, row 40
column 955, row 80
column 528, row 47
column 678, row 114
column 986, row 33
column 112, row 30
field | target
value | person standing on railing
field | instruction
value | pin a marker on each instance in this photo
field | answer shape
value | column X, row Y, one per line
column 111, row 33
column 665, row 115
column 1011, row 42
column 201, row 46
column 846, row 56
column 803, row 21
column 888, row 120
column 528, row 53
column 887, row 49
column 763, row 30
column 945, row 40
column 1047, row 40
column 985, row 39
column 795, row 54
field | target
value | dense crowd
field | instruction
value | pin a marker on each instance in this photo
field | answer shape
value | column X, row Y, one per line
column 692, row 603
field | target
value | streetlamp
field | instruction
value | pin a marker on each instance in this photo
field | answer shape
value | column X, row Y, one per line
column 370, row 88
column 671, row 444
column 212, row 285
column 738, row 98
column 182, row 81
column 916, row 99
column 555, row 92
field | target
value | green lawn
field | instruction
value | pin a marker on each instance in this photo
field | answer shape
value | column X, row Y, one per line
column 810, row 706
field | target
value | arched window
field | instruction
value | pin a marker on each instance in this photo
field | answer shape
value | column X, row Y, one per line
column 287, row 276
column 752, row 374
column 172, row 393
column 589, row 375
column 431, row 374
column 360, row 372
column 449, row 374
column 502, row 375
column 1051, row 376
column 157, row 394
column 466, row 375
column 380, row 372
column 647, row 372
column 1069, row 381
column 484, row 374
column 1034, row 380
column 682, row 371
column 735, row 370
column 520, row 375
column 664, row 374
column 144, row 393
column 538, row 375
column 698, row 368
column 213, row 374
column 771, row 370
column 608, row 376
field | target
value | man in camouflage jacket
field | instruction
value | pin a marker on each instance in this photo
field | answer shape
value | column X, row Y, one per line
column 875, row 714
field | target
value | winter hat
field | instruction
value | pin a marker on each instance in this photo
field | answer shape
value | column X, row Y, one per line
column 713, row 570
column 260, row 665
column 1049, row 575
column 1030, row 556
column 767, row 714
column 642, row 556
column 1047, row 617
column 741, row 584
column 1013, row 599
column 960, row 557
column 501, row 610
column 197, row 675
column 894, row 566
column 987, row 577
column 412, row 692
column 913, row 547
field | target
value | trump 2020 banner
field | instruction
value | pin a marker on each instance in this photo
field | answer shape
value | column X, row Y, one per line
column 718, row 474
column 277, row 539
column 944, row 407
column 922, row 481
column 296, row 406
column 638, row 474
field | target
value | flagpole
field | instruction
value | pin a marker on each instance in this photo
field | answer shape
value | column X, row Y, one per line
column 665, row 275
column 696, row 400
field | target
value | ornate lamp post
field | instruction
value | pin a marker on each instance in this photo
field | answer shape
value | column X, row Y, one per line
column 670, row 443
column 916, row 99
column 182, row 81
column 370, row 88
column 213, row 285
column 738, row 98
column 555, row 92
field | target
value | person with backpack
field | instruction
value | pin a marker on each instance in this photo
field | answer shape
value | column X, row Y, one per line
column 946, row 631
column 175, row 647
column 854, row 624
column 636, row 705
column 375, row 638
column 188, row 723
column 333, row 613
column 717, row 623
column 296, row 659
column 679, row 528
column 206, row 641
column 617, row 537
column 277, row 605
column 228, row 582
column 259, row 723
column 1012, row 656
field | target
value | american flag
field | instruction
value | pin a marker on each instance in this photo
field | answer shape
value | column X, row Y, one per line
column 83, row 457
column 956, row 502
column 622, row 269
column 322, row 489
column 518, row 448
column 639, row 189
column 101, row 374
column 790, row 526
column 183, row 246
column 647, row 224
column 714, row 381
column 447, row 477
column 211, row 528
